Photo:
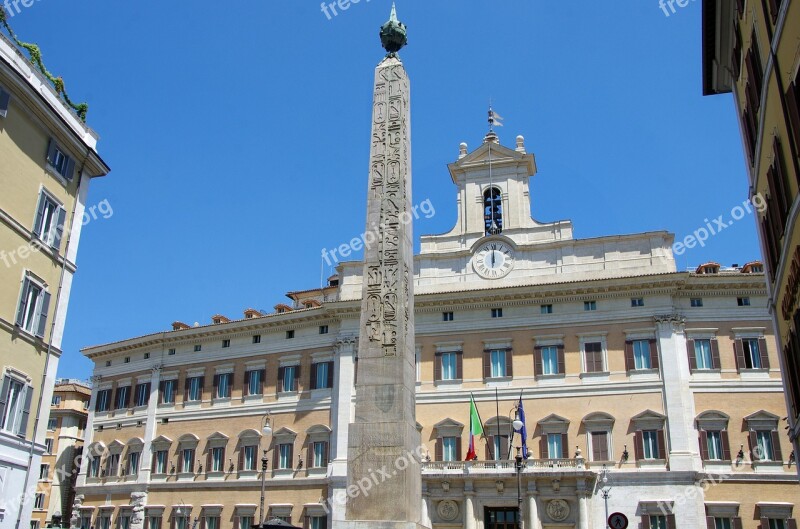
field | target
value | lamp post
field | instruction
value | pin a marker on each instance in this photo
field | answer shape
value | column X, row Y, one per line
column 605, row 490
column 517, row 424
column 266, row 428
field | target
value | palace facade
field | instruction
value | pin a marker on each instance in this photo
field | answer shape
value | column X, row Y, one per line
column 647, row 391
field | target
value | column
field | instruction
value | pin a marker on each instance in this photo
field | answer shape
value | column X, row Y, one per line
column 88, row 434
column 533, row 521
column 684, row 453
column 425, row 517
column 469, row 506
column 341, row 417
column 583, row 509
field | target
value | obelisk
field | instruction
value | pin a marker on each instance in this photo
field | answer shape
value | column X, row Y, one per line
column 383, row 438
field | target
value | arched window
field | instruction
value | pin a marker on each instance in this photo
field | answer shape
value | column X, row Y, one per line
column 493, row 211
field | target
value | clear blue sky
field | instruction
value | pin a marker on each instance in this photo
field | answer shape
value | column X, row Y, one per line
column 238, row 136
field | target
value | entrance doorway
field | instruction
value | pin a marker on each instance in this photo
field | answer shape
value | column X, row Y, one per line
column 501, row 518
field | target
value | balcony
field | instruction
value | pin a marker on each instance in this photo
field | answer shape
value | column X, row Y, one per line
column 473, row 468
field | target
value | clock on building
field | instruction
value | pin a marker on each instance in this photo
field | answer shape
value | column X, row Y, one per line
column 493, row 259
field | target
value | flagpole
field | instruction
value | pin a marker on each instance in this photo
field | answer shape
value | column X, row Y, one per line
column 497, row 403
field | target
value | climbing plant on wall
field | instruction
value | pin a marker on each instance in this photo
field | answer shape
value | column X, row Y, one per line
column 36, row 56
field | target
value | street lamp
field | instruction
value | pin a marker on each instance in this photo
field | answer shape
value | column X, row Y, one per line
column 518, row 468
column 266, row 429
column 605, row 490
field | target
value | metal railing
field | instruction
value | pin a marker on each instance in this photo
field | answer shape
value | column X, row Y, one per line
column 493, row 467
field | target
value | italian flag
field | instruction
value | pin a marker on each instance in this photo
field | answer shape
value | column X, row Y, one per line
column 475, row 428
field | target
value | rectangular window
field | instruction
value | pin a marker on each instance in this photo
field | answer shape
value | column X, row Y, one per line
column 86, row 521
column 44, row 471
column 722, row 523
column 94, row 467
column 500, row 447
column 142, row 397
column 52, row 424
column 696, row 302
column 658, row 522
column 447, row 316
column 702, row 352
column 187, row 460
column 226, row 343
column 752, row 355
column 15, row 402
column 449, row 366
column 550, row 360
column 743, row 302
column 56, row 400
column 497, row 313
column 318, row 522
column 104, row 522
column 112, row 465
column 133, row 463
column 289, row 335
column 212, row 522
column 323, row 329
column 147, row 356
column 48, row 446
column 641, row 354
column 285, row 456
column 127, row 359
column 168, row 388
column 60, row 161
column 555, row 447
column 320, row 459
column 498, row 363
column 714, row 446
column 198, row 348
column 103, row 402
column 194, row 387
column 600, row 446
column 546, row 309
column 249, row 457
column 245, row 522
column 256, row 338
column 153, row 522
column 171, row 352
column 593, row 355
column 774, row 523
column 255, row 382
column 223, row 386
column 35, row 524
column 322, row 377
column 121, row 401
column 449, row 452
column 161, row 458
column 650, row 444
column 38, row 501
column 637, row 302
column 5, row 98
column 764, row 445
column 589, row 305
column 289, row 378
column 33, row 306
column 217, row 459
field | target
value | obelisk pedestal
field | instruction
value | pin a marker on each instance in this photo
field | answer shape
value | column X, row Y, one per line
column 384, row 481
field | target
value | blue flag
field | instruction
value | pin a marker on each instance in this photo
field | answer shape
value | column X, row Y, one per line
column 523, row 432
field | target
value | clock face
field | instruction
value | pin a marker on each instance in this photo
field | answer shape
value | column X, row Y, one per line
column 493, row 260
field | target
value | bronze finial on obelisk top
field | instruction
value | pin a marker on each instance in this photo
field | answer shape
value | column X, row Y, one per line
column 393, row 34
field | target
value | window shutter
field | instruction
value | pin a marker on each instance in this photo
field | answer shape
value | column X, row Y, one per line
column 297, row 378
column 791, row 523
column 638, row 445
column 310, row 455
column 153, row 462
column 538, row 369
column 653, row 354
column 437, row 367
column 600, row 446
column 51, row 151
column 306, row 520
column 26, row 411
column 561, row 363
column 489, row 447
column 509, row 363
column 313, row 376
column 794, row 111
column 715, row 362
column 710, row 522
column 202, row 522
column 736, row 523
column 60, row 219
column 487, row 364
column 291, row 455
column 630, row 363
column 439, row 451
column 764, row 523
column 458, row 448
column 670, row 521
column 275, row 456
column 704, row 445
column 246, row 383
column 209, row 459
column 460, row 365
column 752, row 444
column 241, row 458
column 281, row 371
column 5, row 97
column 543, row 452
column 261, row 379
column 738, row 350
column 42, row 323
column 202, row 386
column 726, row 445
column 774, row 7
column 69, row 168
column 161, row 389
column 762, row 350
column 216, row 387
column 662, row 447
column 564, row 446
column 776, row 447
column 329, row 382
column 4, row 395
column 39, row 222
column 23, row 302
column 692, row 355
column 645, row 521
column 186, row 389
